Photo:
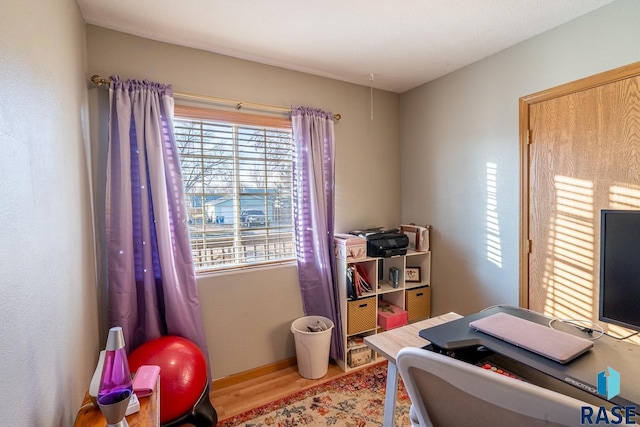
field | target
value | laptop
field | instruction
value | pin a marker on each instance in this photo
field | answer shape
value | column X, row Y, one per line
column 553, row 344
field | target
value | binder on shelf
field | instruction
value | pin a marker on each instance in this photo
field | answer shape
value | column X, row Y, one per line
column 351, row 289
column 363, row 281
column 364, row 278
column 357, row 281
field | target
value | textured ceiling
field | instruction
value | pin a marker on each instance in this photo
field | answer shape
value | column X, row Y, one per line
column 401, row 44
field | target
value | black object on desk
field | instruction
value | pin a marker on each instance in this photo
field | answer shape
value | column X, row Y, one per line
column 457, row 339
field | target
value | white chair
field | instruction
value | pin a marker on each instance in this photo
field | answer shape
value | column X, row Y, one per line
column 446, row 392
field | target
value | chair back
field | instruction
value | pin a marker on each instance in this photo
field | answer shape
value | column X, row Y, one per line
column 448, row 392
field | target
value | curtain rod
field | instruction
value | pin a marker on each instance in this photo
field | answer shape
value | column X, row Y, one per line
column 100, row 81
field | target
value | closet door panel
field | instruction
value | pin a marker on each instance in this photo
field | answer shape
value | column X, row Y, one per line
column 584, row 156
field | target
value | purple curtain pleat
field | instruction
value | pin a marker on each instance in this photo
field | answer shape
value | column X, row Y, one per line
column 151, row 275
column 313, row 188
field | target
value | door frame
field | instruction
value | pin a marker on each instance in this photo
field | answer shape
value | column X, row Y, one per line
column 525, row 103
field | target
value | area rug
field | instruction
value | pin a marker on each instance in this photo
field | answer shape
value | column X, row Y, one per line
column 353, row 400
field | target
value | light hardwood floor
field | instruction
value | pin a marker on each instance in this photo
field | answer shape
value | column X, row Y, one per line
column 238, row 398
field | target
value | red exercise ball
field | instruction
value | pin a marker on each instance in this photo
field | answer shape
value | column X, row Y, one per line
column 183, row 373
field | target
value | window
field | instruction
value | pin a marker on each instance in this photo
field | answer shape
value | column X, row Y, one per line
column 237, row 175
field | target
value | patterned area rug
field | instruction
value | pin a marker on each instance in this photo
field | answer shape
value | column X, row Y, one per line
column 356, row 399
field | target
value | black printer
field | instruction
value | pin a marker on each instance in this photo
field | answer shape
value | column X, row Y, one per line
column 386, row 243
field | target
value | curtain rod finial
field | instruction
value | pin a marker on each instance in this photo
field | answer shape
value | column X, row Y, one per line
column 99, row 81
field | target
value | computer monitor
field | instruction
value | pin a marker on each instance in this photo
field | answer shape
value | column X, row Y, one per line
column 620, row 268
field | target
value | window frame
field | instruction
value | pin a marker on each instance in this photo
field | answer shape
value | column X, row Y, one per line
column 187, row 112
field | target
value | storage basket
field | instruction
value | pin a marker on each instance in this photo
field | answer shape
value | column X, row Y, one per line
column 418, row 303
column 361, row 315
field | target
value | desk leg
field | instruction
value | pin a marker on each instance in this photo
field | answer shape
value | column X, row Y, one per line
column 390, row 397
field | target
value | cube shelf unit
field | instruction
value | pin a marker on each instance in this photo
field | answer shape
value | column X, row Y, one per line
column 360, row 316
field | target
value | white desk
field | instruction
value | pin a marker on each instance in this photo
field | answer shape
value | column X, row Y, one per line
column 389, row 343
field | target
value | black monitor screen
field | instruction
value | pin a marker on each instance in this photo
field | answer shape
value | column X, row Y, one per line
column 620, row 268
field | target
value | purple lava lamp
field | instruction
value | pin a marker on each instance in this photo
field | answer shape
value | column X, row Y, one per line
column 115, row 386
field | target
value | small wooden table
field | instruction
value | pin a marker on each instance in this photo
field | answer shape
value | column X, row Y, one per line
column 89, row 414
column 389, row 343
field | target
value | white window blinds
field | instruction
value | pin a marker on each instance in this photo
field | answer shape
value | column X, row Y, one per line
column 237, row 175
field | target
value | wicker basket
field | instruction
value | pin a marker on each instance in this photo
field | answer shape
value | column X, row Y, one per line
column 418, row 303
column 361, row 315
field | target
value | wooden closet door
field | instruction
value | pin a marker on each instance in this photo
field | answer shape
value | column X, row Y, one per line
column 583, row 156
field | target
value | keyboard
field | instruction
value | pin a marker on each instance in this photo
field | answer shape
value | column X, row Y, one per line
column 490, row 366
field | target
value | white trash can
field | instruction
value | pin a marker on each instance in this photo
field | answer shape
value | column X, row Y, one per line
column 312, row 348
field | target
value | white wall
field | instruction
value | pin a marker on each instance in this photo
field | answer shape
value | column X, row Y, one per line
column 247, row 315
column 454, row 127
column 48, row 323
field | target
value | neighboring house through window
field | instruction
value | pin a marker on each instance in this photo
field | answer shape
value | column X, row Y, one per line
column 237, row 175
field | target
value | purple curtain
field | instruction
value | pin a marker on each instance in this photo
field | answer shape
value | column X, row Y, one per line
column 313, row 190
column 151, row 276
